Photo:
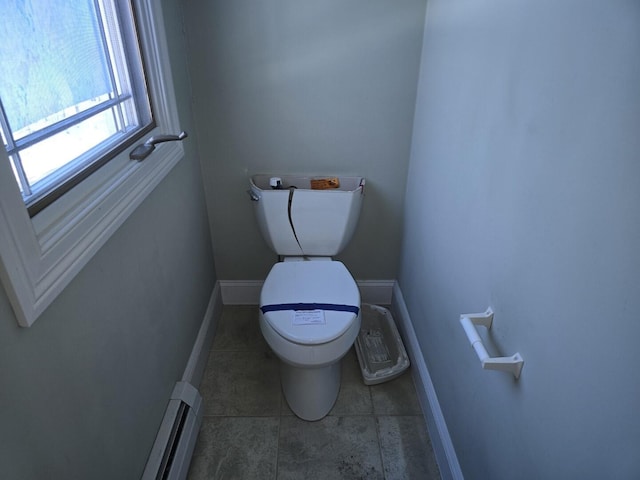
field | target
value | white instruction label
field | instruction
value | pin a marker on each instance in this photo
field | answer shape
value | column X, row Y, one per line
column 308, row 317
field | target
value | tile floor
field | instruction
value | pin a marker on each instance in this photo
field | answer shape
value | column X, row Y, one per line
column 249, row 432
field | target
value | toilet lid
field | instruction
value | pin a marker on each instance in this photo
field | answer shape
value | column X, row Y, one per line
column 310, row 302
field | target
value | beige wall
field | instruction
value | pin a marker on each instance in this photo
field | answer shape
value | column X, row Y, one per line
column 304, row 87
column 83, row 391
column 523, row 196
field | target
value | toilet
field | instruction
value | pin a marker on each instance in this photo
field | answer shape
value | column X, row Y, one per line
column 309, row 303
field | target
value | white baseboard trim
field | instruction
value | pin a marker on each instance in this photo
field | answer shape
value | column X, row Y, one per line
column 200, row 352
column 247, row 292
column 438, row 431
column 376, row 292
column 241, row 292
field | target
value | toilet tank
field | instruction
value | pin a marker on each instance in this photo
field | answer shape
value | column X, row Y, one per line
column 322, row 220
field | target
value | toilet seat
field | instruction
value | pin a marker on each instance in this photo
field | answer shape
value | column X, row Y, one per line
column 292, row 289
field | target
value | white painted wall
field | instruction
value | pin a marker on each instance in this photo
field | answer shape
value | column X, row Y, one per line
column 523, row 195
column 83, row 391
column 322, row 87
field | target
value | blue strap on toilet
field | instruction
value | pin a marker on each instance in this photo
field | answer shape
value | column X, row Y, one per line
column 310, row 306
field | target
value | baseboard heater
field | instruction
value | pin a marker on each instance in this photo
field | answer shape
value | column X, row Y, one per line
column 171, row 453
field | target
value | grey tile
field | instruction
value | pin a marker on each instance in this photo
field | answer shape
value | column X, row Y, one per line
column 396, row 397
column 406, row 449
column 250, row 432
column 241, row 383
column 354, row 397
column 236, row 448
column 331, row 448
column 239, row 329
column 285, row 408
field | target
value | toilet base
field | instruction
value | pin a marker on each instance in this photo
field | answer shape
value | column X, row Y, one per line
column 310, row 392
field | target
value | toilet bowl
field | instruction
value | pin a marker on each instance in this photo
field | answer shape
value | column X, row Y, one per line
column 309, row 303
column 310, row 317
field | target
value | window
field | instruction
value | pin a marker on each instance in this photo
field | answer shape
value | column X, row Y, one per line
column 59, row 204
column 72, row 91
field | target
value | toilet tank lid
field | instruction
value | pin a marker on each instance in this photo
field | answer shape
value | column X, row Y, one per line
column 310, row 302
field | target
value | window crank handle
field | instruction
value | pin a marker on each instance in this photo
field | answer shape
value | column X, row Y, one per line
column 143, row 151
column 165, row 138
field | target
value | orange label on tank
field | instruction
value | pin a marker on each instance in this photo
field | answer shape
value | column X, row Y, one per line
column 325, row 183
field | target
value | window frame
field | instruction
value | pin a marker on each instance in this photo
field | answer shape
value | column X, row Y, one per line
column 40, row 256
